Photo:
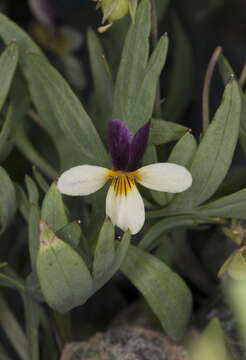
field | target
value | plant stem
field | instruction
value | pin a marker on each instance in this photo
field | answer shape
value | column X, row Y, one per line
column 206, row 88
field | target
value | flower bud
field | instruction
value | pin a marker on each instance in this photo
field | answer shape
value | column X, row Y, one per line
column 64, row 278
column 114, row 9
column 235, row 265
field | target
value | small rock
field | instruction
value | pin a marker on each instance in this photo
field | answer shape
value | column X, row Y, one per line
column 126, row 343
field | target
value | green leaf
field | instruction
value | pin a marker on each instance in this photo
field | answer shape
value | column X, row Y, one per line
column 236, row 294
column 163, row 132
column 70, row 233
column 225, row 69
column 165, row 292
column 167, row 224
column 120, row 254
column 7, row 200
column 97, row 215
column 150, row 157
column 64, row 278
column 33, row 233
column 13, row 330
column 231, row 206
column 8, row 63
column 19, row 104
column 33, row 220
column 40, row 180
column 9, row 31
column 22, row 201
column 132, row 9
column 122, row 249
column 22, row 142
column 8, row 278
column 214, row 155
column 211, row 344
column 180, row 89
column 132, row 66
column 53, row 210
column 61, row 110
column 142, row 107
column 183, row 154
column 32, row 190
column 104, row 251
column 32, row 319
column 242, row 138
column 103, row 87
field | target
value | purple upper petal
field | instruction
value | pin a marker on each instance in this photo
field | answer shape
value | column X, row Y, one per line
column 138, row 146
column 119, row 139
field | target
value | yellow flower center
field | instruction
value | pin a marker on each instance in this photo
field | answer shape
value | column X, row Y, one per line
column 122, row 182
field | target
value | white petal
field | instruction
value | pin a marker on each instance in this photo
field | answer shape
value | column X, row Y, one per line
column 82, row 180
column 167, row 177
column 126, row 211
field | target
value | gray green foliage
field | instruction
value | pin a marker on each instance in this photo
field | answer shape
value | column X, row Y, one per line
column 69, row 260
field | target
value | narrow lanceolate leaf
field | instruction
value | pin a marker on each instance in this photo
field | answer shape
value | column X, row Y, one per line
column 243, row 139
column 150, row 157
column 41, row 181
column 32, row 319
column 7, row 200
column 183, row 154
column 162, row 132
column 19, row 104
column 71, row 234
column 13, row 330
column 9, row 31
column 53, row 210
column 8, row 63
column 57, row 105
column 214, row 155
column 236, row 293
column 103, row 88
column 132, row 8
column 226, row 71
column 165, row 292
column 145, row 97
column 23, row 143
column 32, row 190
column 119, row 257
column 231, row 206
column 167, row 224
column 22, row 201
column 33, row 233
column 180, row 91
column 64, row 278
column 104, row 251
column 211, row 344
column 132, row 66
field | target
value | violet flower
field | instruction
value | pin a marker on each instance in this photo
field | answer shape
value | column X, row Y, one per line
column 124, row 204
